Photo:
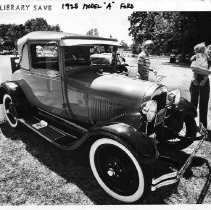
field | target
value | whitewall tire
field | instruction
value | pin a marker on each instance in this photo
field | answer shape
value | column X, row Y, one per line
column 10, row 111
column 117, row 170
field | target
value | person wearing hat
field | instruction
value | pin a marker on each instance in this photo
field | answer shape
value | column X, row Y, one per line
column 144, row 61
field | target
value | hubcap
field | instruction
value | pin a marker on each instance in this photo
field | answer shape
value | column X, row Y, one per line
column 117, row 170
column 111, row 172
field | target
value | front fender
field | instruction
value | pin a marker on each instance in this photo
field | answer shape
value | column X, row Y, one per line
column 133, row 119
column 139, row 142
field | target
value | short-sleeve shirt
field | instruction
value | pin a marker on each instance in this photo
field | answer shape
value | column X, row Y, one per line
column 143, row 65
column 201, row 60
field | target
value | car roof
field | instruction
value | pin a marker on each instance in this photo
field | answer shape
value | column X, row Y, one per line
column 54, row 35
column 63, row 37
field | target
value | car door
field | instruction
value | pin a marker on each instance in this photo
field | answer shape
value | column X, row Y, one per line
column 44, row 77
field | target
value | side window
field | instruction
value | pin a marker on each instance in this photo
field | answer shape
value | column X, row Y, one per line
column 44, row 56
column 24, row 63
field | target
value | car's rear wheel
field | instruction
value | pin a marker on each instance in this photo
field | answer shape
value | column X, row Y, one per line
column 117, row 170
column 10, row 110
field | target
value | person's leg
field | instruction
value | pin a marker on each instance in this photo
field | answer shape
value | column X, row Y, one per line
column 194, row 92
column 203, row 102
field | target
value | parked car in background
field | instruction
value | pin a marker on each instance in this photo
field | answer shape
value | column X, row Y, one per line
column 173, row 56
column 187, row 58
column 68, row 90
column 4, row 52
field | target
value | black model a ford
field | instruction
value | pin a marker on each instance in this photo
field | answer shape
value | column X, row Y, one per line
column 67, row 92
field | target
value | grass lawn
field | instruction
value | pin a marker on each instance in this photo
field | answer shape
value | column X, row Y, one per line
column 35, row 172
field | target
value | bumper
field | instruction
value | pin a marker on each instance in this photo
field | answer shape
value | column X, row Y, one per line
column 175, row 175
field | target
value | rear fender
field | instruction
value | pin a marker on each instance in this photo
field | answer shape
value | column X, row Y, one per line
column 13, row 89
column 144, row 146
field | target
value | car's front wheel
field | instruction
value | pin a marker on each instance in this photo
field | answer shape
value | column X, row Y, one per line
column 10, row 110
column 117, row 170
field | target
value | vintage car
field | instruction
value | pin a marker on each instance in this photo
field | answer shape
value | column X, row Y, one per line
column 173, row 56
column 60, row 93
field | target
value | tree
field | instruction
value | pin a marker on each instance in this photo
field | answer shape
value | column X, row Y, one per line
column 124, row 45
column 142, row 25
column 93, row 32
column 39, row 24
column 135, row 48
column 55, row 28
column 13, row 33
column 171, row 30
column 10, row 33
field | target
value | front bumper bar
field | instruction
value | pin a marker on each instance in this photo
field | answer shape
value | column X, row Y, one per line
column 175, row 176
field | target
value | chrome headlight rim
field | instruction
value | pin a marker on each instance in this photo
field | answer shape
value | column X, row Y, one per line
column 149, row 109
column 159, row 90
column 173, row 97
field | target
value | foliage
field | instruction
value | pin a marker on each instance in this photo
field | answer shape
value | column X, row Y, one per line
column 124, row 45
column 39, row 24
column 93, row 32
column 135, row 48
column 10, row 33
column 171, row 30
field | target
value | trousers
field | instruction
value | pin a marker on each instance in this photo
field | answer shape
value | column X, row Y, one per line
column 200, row 95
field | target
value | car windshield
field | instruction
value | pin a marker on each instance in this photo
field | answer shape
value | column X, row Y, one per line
column 89, row 55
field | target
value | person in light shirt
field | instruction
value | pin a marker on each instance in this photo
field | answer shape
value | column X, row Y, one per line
column 200, row 85
column 144, row 61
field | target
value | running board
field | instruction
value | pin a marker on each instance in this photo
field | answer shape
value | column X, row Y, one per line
column 49, row 132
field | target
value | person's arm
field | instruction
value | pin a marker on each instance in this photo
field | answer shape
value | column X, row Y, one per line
column 193, row 58
column 209, row 59
column 201, row 70
column 153, row 70
column 141, row 59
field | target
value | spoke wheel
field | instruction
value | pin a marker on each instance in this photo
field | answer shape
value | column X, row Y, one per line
column 10, row 111
column 117, row 170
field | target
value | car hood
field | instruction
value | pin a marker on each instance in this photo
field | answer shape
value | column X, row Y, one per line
column 119, row 85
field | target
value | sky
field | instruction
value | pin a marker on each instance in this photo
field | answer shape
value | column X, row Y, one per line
column 112, row 23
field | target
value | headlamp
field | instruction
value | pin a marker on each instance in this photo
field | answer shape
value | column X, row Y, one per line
column 149, row 109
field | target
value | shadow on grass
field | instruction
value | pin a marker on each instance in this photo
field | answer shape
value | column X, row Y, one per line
column 206, row 186
column 74, row 167
column 178, row 64
column 181, row 157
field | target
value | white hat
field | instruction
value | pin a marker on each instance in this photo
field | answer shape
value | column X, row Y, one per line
column 147, row 42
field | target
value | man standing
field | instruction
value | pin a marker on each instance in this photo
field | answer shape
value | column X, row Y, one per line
column 144, row 61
